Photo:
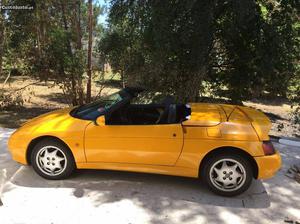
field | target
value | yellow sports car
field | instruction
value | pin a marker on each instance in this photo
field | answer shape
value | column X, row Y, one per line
column 225, row 145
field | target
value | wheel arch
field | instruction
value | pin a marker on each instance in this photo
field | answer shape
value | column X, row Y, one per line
column 39, row 139
column 230, row 149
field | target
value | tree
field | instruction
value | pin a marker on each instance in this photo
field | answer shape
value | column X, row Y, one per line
column 243, row 48
column 49, row 42
column 1, row 39
column 255, row 48
column 90, row 44
column 162, row 44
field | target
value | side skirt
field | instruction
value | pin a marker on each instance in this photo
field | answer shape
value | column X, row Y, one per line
column 142, row 168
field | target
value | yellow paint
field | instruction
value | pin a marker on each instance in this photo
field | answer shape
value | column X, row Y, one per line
column 204, row 114
column 140, row 144
column 260, row 122
column 270, row 165
column 214, row 132
column 173, row 149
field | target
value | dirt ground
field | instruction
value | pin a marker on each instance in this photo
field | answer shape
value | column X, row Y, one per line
column 279, row 112
column 42, row 97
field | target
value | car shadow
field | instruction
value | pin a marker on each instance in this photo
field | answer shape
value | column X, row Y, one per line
column 111, row 186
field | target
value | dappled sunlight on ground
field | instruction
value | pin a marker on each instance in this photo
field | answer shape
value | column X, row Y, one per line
column 124, row 197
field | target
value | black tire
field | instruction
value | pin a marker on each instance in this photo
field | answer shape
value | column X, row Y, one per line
column 211, row 177
column 63, row 156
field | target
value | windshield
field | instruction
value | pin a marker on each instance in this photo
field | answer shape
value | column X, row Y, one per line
column 93, row 110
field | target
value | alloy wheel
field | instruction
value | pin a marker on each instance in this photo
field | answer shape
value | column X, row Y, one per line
column 227, row 175
column 51, row 160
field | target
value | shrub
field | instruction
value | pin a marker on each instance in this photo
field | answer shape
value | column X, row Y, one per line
column 10, row 100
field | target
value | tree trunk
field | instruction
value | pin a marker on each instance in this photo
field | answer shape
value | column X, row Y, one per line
column 122, row 79
column 77, row 16
column 89, row 59
column 73, row 81
column 1, row 41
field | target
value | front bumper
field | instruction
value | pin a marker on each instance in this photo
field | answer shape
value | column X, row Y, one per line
column 268, row 165
column 17, row 147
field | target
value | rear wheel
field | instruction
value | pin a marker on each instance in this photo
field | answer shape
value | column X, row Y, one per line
column 52, row 160
column 227, row 175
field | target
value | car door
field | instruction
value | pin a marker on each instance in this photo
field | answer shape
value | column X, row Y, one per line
column 157, row 144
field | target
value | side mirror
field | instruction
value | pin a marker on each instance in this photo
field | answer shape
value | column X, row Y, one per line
column 100, row 121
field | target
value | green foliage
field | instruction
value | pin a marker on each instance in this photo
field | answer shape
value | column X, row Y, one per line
column 235, row 55
column 235, row 49
column 256, row 51
column 294, row 96
column 160, row 44
column 243, row 48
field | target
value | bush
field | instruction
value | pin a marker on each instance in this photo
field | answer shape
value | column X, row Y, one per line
column 10, row 100
column 294, row 97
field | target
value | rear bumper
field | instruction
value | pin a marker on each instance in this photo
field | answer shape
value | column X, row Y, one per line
column 268, row 165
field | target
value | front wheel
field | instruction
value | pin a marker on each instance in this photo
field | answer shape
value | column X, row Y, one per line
column 227, row 175
column 52, row 160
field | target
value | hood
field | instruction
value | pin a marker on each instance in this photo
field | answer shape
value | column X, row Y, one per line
column 60, row 114
column 58, row 123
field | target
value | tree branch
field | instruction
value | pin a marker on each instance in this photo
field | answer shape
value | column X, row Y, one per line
column 24, row 87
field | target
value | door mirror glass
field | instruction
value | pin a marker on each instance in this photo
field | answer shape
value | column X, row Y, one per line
column 100, row 121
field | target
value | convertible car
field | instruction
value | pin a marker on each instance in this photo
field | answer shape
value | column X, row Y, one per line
column 226, row 146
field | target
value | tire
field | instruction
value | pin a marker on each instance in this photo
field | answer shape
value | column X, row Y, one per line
column 227, row 174
column 52, row 160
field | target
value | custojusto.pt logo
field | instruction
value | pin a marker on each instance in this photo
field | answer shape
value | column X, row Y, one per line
column 15, row 7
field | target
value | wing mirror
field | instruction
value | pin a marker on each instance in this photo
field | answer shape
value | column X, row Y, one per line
column 100, row 121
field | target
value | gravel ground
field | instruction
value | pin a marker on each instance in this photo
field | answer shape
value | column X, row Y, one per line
column 123, row 197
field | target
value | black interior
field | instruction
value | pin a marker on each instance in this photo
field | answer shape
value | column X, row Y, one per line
column 118, row 110
column 146, row 114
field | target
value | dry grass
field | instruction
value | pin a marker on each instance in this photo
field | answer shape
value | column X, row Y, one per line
column 38, row 97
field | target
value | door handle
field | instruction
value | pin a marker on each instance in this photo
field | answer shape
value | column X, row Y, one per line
column 174, row 135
